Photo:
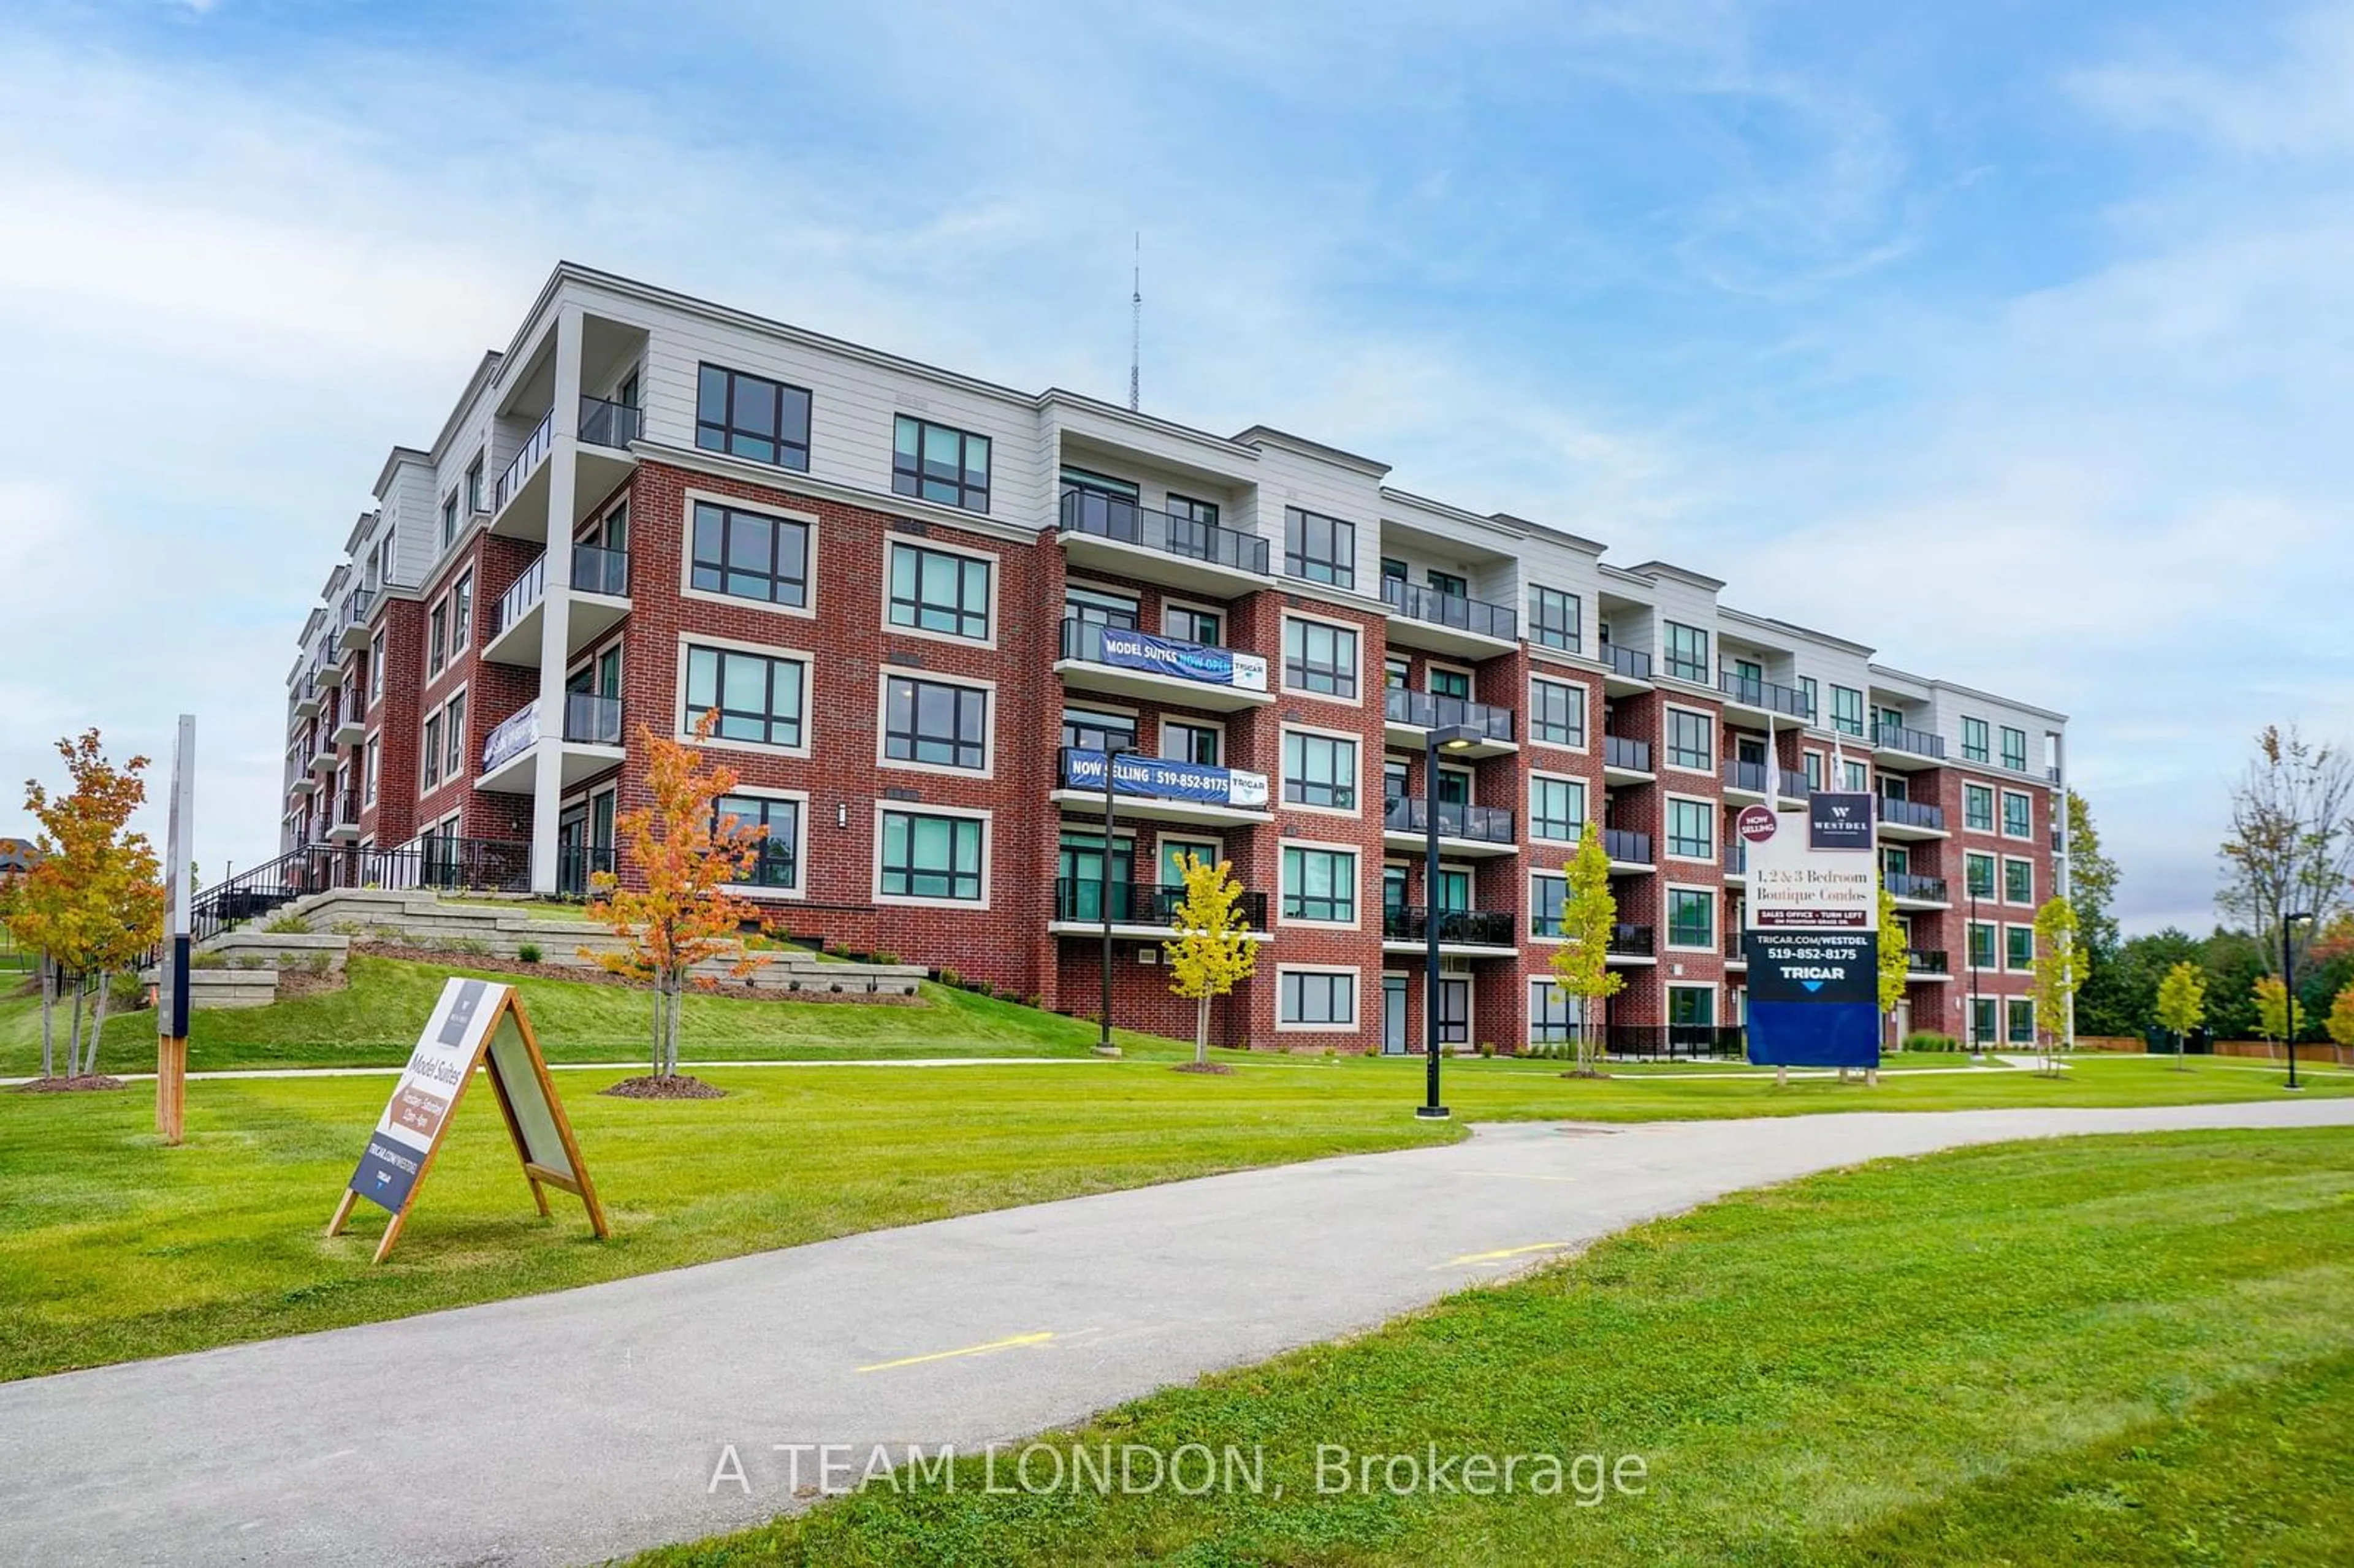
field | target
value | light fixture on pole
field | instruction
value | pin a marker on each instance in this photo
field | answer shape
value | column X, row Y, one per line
column 1457, row 737
column 1113, row 752
column 1970, row 941
column 2288, row 989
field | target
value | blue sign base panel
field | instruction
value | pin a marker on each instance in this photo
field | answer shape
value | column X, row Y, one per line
column 1814, row 1034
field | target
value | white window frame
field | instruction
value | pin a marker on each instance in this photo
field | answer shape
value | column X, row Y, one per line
column 2002, row 887
column 1356, row 998
column 1528, row 807
column 1355, row 852
column 1715, row 944
column 800, row 890
column 1170, row 605
column 1528, row 932
column 891, row 541
column 808, row 662
column 987, row 819
column 1994, row 811
column 1710, row 809
column 1662, row 758
column 1283, row 798
column 2002, row 816
column 2003, row 954
column 1191, row 721
column 1585, row 708
column 808, row 520
column 884, row 676
column 1283, row 659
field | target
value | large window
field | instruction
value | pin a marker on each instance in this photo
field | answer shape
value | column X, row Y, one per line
column 433, row 751
column 778, row 862
column 1553, row 618
column 1320, row 884
column 2018, row 947
column 1319, row 657
column 1847, row 710
column 1808, row 696
column 375, row 668
column 1687, row 650
column 2014, row 749
column 1983, row 1030
column 927, row 856
column 437, row 639
column 1691, row 829
column 1692, row 1007
column 1691, row 739
column 1977, row 808
column 1548, row 892
column 1978, row 873
column 934, row 722
column 455, row 765
column 1981, row 945
column 751, row 417
column 1319, row 770
column 1557, row 713
column 1692, row 918
column 1320, row 550
column 2018, row 881
column 461, row 611
column 1187, row 624
column 1552, row 1014
column 1556, row 808
column 1317, row 997
column 748, row 555
column 2020, row 1017
column 2018, row 816
column 375, row 759
column 759, row 698
column 1974, row 740
column 1196, row 743
column 938, row 463
column 1090, row 731
column 937, row 590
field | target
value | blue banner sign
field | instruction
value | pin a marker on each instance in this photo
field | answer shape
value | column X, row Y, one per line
column 1131, row 650
column 1160, row 778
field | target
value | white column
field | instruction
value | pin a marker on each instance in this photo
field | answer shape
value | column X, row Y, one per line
column 556, row 615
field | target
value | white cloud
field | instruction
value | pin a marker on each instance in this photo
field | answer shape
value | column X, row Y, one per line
column 2296, row 104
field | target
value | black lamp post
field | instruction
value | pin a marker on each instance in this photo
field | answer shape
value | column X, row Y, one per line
column 2288, row 989
column 1447, row 737
column 1113, row 752
column 1970, row 940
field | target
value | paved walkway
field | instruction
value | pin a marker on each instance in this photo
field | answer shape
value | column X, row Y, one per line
column 572, row 1427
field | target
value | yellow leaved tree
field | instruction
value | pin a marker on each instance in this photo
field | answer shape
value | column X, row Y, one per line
column 1210, row 951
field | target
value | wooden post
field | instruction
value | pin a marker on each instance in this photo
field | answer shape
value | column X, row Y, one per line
column 171, row 1087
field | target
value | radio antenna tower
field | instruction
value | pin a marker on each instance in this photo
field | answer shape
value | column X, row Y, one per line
column 1136, row 327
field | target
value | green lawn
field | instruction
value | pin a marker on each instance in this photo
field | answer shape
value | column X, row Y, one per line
column 2113, row 1350
column 113, row 1247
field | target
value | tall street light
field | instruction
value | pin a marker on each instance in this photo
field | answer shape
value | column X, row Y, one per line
column 1452, row 738
column 2288, row 989
column 1970, row 942
column 1113, row 752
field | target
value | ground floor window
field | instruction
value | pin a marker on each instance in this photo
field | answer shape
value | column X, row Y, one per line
column 777, row 863
column 1318, row 997
column 931, row 857
column 1552, row 1014
column 1692, row 1007
column 2020, row 1013
column 1982, row 1021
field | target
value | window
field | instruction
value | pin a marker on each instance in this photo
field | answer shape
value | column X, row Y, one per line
column 2018, row 947
column 1393, row 673
column 940, row 464
column 1687, row 652
column 449, row 519
column 2018, row 816
column 1553, row 618
column 927, row 856
column 1691, row 1007
column 1185, row 509
column 1320, row 550
column 746, row 555
column 1319, row 770
column 1195, row 743
column 1974, row 740
column 2014, row 749
column 1312, row 997
column 1977, row 808
column 1691, row 829
column 1982, row 1020
column 456, row 767
column 2020, row 1013
column 433, row 751
column 1807, row 694
column 436, row 640
column 1978, row 873
column 1814, row 772
column 1552, row 1014
column 1847, row 710
column 1557, row 713
column 778, row 863
column 936, row 723
column 1692, row 742
column 375, row 668
column 935, row 590
column 1854, row 777
column 1981, row 938
column 2018, row 881
column 1446, row 683
column 1556, row 808
column 1190, row 625
column 1098, row 732
column 758, row 698
column 1319, row 657
column 1548, row 893
column 1692, row 918
column 373, row 758
column 1103, row 485
column 1320, row 884
column 461, row 611
column 475, row 484
column 748, row 417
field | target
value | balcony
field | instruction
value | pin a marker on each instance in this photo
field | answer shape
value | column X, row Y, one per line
column 1630, row 669
column 323, row 752
column 351, row 622
column 306, row 697
column 589, row 743
column 1114, row 535
column 1161, row 790
column 1628, row 850
column 1926, row 963
column 1736, row 861
column 1409, row 717
column 1907, row 888
column 1911, row 819
column 1744, row 777
column 1138, row 909
column 351, row 726
column 1625, row 761
column 1791, row 785
column 1462, row 830
column 345, row 827
column 1125, row 662
column 1449, row 622
column 1631, row 944
column 611, row 425
column 601, row 600
column 1407, row 928
column 521, row 469
column 1764, row 696
column 1899, row 746
column 1736, row 956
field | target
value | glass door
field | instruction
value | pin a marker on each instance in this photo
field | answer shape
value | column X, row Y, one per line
column 1394, row 1041
column 1454, row 1010
column 1078, row 889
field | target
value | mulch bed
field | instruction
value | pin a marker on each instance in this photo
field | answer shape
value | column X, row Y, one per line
column 664, row 1086
column 85, row 1083
column 591, row 974
column 1211, row 1067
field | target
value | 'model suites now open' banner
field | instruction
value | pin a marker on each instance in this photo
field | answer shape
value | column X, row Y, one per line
column 1811, row 933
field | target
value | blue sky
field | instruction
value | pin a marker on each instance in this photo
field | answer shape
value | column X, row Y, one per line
column 2015, row 340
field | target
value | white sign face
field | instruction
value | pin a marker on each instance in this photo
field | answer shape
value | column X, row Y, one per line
column 1795, row 888
column 419, row 1107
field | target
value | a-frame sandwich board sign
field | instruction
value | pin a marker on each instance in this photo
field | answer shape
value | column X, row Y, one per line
column 477, row 1023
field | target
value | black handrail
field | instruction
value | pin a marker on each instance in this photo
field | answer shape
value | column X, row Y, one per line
column 1114, row 517
column 1484, row 824
column 1080, row 898
column 526, row 461
column 1624, row 845
column 1749, row 775
column 1454, row 609
column 474, row 864
column 1925, row 960
column 1912, row 813
column 1758, row 693
column 1901, row 737
column 592, row 720
column 1631, row 941
column 1468, row 928
column 1905, row 884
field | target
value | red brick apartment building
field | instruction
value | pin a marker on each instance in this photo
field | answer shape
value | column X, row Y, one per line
column 927, row 608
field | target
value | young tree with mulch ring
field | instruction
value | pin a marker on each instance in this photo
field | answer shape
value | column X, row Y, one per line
column 1212, row 951
column 1581, row 965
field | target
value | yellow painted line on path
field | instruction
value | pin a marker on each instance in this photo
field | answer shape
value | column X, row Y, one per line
column 1005, row 1344
column 1501, row 1253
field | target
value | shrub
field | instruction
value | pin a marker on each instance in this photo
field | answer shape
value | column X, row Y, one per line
column 347, row 928
column 528, row 952
column 881, row 956
column 207, row 962
column 289, row 926
column 1930, row 1040
column 1486, row 1048
column 249, row 960
column 316, row 963
column 949, row 977
column 474, row 945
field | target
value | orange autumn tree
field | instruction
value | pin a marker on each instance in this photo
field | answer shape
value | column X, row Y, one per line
column 686, row 853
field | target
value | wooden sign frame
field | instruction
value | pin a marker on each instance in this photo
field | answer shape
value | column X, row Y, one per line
column 482, row 1032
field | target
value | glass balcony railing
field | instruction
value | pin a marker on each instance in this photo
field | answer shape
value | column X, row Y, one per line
column 1631, row 663
column 592, row 720
column 526, row 461
column 1454, row 609
column 1627, row 846
column 1632, row 941
column 598, row 571
column 1130, row 647
column 1634, row 756
column 1427, row 710
column 1753, row 693
column 1078, row 898
column 1482, row 824
column 1912, row 814
column 1901, row 737
column 1115, row 518
column 1468, row 928
column 1925, row 961
column 1906, row 885
column 604, row 424
column 1749, row 775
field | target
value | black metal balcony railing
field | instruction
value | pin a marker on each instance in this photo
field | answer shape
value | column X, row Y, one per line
column 1078, row 898
column 592, row 720
column 533, row 453
column 1484, row 824
column 1427, row 710
column 1903, row 737
column 1127, row 523
column 1632, row 941
column 1635, row 756
column 1757, row 693
column 1468, row 928
column 1676, row 1040
column 1631, row 663
column 1749, row 775
column 596, row 569
column 1454, row 609
column 347, row 809
column 1906, row 885
column 356, row 607
column 577, row 864
column 485, row 864
column 604, row 424
column 1912, row 813
column 1925, row 961
column 1624, row 845
column 528, row 589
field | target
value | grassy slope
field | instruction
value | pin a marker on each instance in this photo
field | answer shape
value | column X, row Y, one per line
column 2116, row 1351
column 113, row 1247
